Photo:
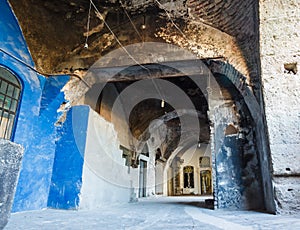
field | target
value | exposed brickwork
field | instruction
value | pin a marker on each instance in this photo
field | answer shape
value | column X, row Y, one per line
column 206, row 42
column 238, row 19
column 233, row 17
column 211, row 28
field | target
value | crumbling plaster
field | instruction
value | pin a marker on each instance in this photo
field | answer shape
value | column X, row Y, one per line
column 35, row 126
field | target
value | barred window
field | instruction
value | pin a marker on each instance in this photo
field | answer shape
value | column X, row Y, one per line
column 10, row 90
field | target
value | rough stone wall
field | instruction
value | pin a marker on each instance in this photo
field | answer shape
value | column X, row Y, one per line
column 280, row 45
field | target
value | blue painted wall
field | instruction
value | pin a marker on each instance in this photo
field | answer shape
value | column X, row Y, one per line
column 35, row 177
column 11, row 37
column 35, row 127
column 69, row 158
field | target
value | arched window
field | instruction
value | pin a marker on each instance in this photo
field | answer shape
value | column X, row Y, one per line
column 10, row 90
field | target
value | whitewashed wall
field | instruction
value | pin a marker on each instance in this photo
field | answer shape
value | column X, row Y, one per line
column 105, row 178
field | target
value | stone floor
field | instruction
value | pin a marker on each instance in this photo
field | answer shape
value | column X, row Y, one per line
column 152, row 213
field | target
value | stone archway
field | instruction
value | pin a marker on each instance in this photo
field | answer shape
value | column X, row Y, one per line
column 246, row 107
column 243, row 141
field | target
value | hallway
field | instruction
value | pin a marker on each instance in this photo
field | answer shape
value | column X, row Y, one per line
column 152, row 213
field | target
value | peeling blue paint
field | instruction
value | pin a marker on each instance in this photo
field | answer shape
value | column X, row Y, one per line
column 68, row 165
column 52, row 163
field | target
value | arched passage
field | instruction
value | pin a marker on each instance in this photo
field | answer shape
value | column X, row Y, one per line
column 226, row 102
column 234, row 152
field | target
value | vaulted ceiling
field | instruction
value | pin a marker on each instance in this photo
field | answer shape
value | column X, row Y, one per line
column 67, row 35
column 56, row 30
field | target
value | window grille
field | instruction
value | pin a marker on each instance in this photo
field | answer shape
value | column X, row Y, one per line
column 10, row 90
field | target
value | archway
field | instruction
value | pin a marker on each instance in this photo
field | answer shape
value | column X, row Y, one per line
column 227, row 111
column 229, row 108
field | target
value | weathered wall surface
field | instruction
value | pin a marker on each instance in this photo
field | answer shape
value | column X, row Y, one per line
column 280, row 45
column 206, row 42
column 37, row 132
column 247, row 109
column 89, row 170
column 238, row 183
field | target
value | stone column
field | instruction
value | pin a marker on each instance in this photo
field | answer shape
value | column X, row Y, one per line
column 10, row 162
